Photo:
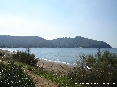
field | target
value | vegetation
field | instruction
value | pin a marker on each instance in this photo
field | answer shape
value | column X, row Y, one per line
column 90, row 71
column 96, row 70
column 12, row 75
column 35, row 41
column 11, row 70
column 25, row 57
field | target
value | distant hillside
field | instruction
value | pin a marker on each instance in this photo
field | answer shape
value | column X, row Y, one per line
column 35, row 41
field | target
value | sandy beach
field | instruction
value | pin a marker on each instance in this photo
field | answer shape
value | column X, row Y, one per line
column 54, row 67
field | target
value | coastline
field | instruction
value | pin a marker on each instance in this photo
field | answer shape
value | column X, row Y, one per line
column 48, row 65
column 61, row 55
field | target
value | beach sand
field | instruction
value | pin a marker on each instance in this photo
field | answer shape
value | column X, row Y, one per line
column 54, row 67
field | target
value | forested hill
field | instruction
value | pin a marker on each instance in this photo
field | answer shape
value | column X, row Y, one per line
column 36, row 41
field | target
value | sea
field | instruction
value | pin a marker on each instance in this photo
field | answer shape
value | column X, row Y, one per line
column 62, row 55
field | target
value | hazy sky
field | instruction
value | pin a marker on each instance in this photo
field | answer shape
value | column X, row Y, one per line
column 51, row 19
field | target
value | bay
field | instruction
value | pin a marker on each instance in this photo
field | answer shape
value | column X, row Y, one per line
column 62, row 55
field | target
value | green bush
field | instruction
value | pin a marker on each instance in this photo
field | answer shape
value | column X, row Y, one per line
column 25, row 57
column 12, row 75
column 99, row 69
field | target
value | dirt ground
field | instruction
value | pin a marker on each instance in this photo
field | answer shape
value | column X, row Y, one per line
column 40, row 81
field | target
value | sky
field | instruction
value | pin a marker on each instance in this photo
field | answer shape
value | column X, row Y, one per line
column 51, row 19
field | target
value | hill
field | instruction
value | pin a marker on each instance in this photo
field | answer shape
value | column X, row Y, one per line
column 36, row 41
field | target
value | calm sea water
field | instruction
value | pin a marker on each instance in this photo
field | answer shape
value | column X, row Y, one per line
column 63, row 55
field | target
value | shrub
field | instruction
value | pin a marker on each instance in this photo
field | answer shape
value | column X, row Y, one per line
column 25, row 57
column 12, row 75
column 99, row 69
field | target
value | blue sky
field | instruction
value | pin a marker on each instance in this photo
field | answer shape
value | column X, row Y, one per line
column 51, row 19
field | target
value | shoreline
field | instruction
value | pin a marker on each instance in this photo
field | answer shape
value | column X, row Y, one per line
column 10, row 51
column 48, row 65
column 60, row 55
column 56, row 61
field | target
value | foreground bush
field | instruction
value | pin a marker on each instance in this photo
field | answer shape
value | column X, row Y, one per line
column 25, row 57
column 12, row 75
column 95, row 71
column 1, row 54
